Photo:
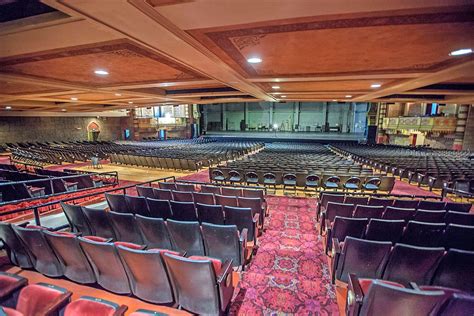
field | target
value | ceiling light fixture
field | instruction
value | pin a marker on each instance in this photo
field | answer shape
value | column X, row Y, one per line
column 118, row 94
column 348, row 96
column 462, row 51
column 283, row 96
column 254, row 60
column 8, row 107
column 375, row 85
column 101, row 72
column 334, row 100
column 64, row 110
column 275, row 87
column 130, row 102
column 74, row 99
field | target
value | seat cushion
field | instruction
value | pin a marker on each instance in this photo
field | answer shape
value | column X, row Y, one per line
column 9, row 312
column 351, row 186
column 216, row 263
column 146, row 312
column 36, row 297
column 128, row 245
column 9, row 284
column 289, row 182
column 331, row 185
column 95, row 238
column 369, row 186
column 165, row 251
column 365, row 284
column 90, row 306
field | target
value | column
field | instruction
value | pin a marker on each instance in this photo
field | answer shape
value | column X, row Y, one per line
column 270, row 113
column 381, row 114
column 463, row 111
column 223, row 117
column 326, row 116
column 246, row 116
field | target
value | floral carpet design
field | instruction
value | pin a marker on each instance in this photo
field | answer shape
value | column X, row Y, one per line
column 289, row 274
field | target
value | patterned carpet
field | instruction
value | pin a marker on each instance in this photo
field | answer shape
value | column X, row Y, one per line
column 289, row 274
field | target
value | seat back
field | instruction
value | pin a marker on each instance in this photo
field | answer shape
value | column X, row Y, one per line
column 163, row 194
column 70, row 254
column 203, row 198
column 365, row 258
column 242, row 218
column 147, row 274
column 76, row 218
column 44, row 258
column 458, row 207
column 405, row 203
column 457, row 304
column 385, row 298
column 356, row 200
column 347, row 226
column 186, row 236
column 145, row 191
column 254, row 193
column 117, row 203
column 366, row 211
column 17, row 253
column 226, row 200
column 431, row 205
column 99, row 222
column 187, row 275
column 459, row 218
column 211, row 189
column 42, row 299
column 423, row 234
column 159, row 208
column 231, row 191
column 380, row 202
column 338, row 209
column 385, row 230
column 186, row 187
column 395, row 213
column 124, row 227
column 167, row 185
column 137, row 205
column 335, row 198
column 429, row 216
column 154, row 232
column 222, row 242
column 459, row 237
column 183, row 196
column 183, row 211
column 456, row 270
column 107, row 266
column 210, row 213
column 412, row 264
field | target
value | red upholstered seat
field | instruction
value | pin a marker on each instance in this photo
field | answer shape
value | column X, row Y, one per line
column 165, row 251
column 67, row 234
column 145, row 312
column 365, row 284
column 216, row 263
column 35, row 227
column 37, row 299
column 128, row 245
column 95, row 238
column 10, row 283
column 9, row 311
column 91, row 306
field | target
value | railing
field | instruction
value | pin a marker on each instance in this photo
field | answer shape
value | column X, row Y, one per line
column 224, row 185
column 36, row 208
column 49, row 180
column 386, row 195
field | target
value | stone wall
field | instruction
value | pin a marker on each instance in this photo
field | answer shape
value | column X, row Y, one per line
column 25, row 129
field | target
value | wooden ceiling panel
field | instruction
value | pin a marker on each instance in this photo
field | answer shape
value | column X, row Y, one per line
column 95, row 96
column 341, row 85
column 15, row 88
column 125, row 62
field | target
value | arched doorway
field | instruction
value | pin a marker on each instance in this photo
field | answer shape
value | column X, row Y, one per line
column 93, row 131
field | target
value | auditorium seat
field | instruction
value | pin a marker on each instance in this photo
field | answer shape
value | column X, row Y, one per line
column 366, row 211
column 154, row 232
column 423, row 234
column 459, row 218
column 399, row 203
column 429, row 216
column 167, row 185
column 459, row 237
column 311, row 181
column 234, row 177
column 163, row 194
column 107, row 266
column 159, row 208
column 117, row 203
column 332, row 183
column 187, row 237
column 325, row 199
column 147, row 274
column 256, row 205
column 125, row 228
column 385, row 230
column 10, row 286
column 372, row 185
column 183, row 196
column 183, row 211
column 137, row 205
column 224, row 242
column 458, row 207
column 251, row 178
column 217, row 176
column 210, row 189
column 412, row 264
column 395, row 213
column 237, row 192
column 70, row 254
column 215, row 288
column 356, row 200
column 186, row 187
column 44, row 259
column 226, row 200
column 203, row 198
column 243, row 218
column 93, row 306
column 431, row 205
column 457, row 304
column 210, row 213
column 353, row 183
column 343, row 227
column 332, row 210
column 380, row 202
column 99, row 222
column 145, row 191
column 40, row 299
column 76, row 218
column 455, row 270
column 16, row 251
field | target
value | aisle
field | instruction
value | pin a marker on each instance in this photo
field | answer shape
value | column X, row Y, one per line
column 289, row 274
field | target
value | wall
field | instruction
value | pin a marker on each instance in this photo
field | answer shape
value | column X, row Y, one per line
column 468, row 143
column 31, row 129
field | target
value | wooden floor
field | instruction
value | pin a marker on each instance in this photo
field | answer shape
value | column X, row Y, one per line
column 139, row 174
column 83, row 290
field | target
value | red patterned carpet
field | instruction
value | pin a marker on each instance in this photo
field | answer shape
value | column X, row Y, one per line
column 289, row 274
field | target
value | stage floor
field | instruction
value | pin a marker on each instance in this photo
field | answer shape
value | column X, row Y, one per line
column 284, row 136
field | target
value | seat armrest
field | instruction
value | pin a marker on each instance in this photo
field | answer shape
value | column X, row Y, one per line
column 334, row 258
column 243, row 236
column 24, row 224
column 327, row 226
column 243, row 246
column 336, row 248
column 256, row 218
column 121, row 310
column 354, row 286
column 322, row 219
column 225, row 269
column 414, row 286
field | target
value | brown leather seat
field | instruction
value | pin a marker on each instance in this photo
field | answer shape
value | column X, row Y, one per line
column 242, row 218
column 154, row 232
column 76, row 218
column 99, row 221
column 117, row 202
column 186, row 236
column 183, row 211
column 159, row 208
column 10, row 286
column 16, row 251
column 125, row 228
column 87, row 305
column 210, row 213
column 204, row 198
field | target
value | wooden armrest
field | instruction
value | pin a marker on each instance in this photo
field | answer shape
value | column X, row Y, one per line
column 327, row 225
column 414, row 286
column 256, row 218
column 225, row 269
column 121, row 310
column 354, row 286
column 243, row 236
column 336, row 248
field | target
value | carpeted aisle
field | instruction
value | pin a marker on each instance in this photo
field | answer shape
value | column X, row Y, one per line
column 289, row 274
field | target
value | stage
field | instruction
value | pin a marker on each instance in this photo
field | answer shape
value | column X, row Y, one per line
column 288, row 136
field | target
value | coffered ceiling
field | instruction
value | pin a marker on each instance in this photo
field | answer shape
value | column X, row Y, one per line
column 149, row 52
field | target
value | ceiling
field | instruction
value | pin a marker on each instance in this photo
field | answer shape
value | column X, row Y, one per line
column 197, row 51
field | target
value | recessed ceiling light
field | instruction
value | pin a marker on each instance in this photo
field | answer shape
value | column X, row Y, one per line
column 462, row 51
column 64, row 110
column 375, row 85
column 283, row 96
column 334, row 100
column 130, row 102
column 8, row 107
column 118, row 94
column 101, row 72
column 348, row 96
column 74, row 99
column 254, row 60
column 275, row 87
